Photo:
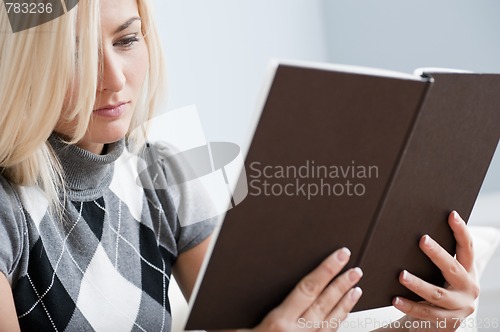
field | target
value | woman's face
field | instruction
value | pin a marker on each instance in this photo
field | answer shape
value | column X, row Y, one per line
column 125, row 63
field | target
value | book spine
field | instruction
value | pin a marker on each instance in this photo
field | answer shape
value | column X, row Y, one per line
column 404, row 147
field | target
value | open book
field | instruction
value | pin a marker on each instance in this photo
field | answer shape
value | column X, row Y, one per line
column 341, row 156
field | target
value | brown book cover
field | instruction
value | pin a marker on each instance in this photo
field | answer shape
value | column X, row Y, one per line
column 369, row 161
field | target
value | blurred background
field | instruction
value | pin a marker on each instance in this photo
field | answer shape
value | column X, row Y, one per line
column 218, row 52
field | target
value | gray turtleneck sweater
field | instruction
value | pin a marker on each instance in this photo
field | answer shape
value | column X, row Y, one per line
column 106, row 265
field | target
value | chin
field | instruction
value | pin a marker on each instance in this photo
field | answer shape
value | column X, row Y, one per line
column 109, row 132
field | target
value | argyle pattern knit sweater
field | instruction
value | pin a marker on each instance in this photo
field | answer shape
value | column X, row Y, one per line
column 106, row 264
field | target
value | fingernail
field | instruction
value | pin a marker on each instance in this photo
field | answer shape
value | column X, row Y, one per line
column 355, row 274
column 427, row 240
column 456, row 216
column 406, row 276
column 398, row 302
column 343, row 255
column 356, row 293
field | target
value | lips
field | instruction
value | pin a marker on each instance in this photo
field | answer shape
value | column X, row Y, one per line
column 112, row 111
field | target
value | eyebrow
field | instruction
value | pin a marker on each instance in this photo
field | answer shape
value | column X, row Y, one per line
column 127, row 24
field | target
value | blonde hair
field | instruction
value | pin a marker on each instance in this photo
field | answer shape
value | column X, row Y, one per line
column 51, row 66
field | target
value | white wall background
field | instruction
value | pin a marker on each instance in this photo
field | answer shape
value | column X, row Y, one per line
column 217, row 51
column 403, row 35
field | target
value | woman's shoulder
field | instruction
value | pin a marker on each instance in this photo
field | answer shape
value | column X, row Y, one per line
column 11, row 227
column 175, row 165
column 8, row 196
column 181, row 174
column 16, row 202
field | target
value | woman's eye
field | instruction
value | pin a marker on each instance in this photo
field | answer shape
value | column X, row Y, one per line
column 127, row 42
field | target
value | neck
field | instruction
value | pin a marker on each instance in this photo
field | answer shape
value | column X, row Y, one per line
column 86, row 174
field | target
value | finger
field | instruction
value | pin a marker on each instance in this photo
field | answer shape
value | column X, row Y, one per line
column 427, row 312
column 332, row 294
column 311, row 286
column 438, row 296
column 420, row 310
column 344, row 307
column 452, row 270
column 465, row 249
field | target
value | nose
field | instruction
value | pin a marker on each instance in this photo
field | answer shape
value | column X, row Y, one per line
column 112, row 77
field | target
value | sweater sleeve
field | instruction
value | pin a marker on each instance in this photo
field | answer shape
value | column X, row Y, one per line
column 195, row 220
column 11, row 229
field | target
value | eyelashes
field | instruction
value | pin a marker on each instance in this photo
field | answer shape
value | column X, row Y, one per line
column 127, row 42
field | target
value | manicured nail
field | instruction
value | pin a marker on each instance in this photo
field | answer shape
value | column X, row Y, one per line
column 427, row 240
column 343, row 255
column 406, row 276
column 356, row 293
column 398, row 302
column 355, row 274
column 456, row 216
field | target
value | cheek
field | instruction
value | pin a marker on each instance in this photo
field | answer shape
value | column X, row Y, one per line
column 139, row 70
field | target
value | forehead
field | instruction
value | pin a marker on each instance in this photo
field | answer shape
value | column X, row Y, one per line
column 116, row 12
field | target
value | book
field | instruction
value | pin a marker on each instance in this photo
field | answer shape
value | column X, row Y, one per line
column 349, row 157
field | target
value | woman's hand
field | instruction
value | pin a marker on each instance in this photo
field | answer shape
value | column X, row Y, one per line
column 320, row 301
column 444, row 308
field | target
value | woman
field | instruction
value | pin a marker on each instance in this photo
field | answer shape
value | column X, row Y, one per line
column 82, row 247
